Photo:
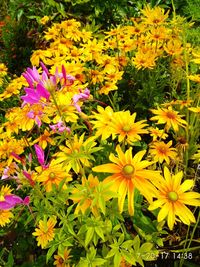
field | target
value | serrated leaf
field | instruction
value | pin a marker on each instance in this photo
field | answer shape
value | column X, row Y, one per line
column 89, row 235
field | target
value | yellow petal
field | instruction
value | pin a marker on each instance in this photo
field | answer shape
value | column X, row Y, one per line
column 122, row 194
column 131, row 198
column 157, row 204
column 177, row 181
column 163, row 212
column 171, row 216
column 109, row 167
column 186, row 185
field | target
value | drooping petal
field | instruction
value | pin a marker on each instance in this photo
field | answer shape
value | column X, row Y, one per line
column 122, row 194
column 131, row 198
column 171, row 216
column 163, row 212
column 157, row 204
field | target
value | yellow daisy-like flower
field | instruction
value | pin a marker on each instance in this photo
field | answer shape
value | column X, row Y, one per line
column 62, row 260
column 154, row 16
column 129, row 173
column 4, row 191
column 5, row 217
column 172, row 197
column 44, row 20
column 45, row 231
column 124, row 126
column 163, row 152
column 102, row 122
column 157, row 133
column 169, row 117
column 54, row 174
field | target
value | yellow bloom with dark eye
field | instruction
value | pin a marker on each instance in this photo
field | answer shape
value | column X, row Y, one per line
column 53, row 175
column 161, row 151
column 45, row 231
column 124, row 126
column 154, row 16
column 172, row 198
column 157, row 133
column 169, row 117
column 129, row 173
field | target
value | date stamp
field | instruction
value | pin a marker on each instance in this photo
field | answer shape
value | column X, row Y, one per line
column 176, row 255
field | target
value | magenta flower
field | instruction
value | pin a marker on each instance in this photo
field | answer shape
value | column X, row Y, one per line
column 82, row 96
column 40, row 156
column 10, row 201
column 60, row 127
column 34, row 96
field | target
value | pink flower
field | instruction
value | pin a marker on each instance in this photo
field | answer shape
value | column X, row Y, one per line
column 40, row 156
column 60, row 127
column 82, row 96
column 12, row 200
column 34, row 96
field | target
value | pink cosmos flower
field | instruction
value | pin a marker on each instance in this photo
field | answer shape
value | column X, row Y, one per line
column 40, row 156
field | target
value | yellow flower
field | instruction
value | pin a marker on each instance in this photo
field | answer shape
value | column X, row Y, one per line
column 83, row 195
column 4, row 191
column 62, row 260
column 154, row 16
column 44, row 139
column 5, row 217
column 44, row 20
column 107, row 87
column 45, row 231
column 157, row 133
column 143, row 60
column 163, row 152
column 123, row 124
column 172, row 197
column 196, row 156
column 54, row 174
column 169, row 117
column 174, row 47
column 76, row 152
column 129, row 173
column 102, row 122
column 3, row 70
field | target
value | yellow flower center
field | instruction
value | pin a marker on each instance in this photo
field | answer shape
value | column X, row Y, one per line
column 173, row 196
column 128, row 169
column 126, row 128
column 52, row 175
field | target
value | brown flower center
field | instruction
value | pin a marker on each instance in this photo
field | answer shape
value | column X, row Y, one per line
column 173, row 196
column 171, row 115
column 128, row 169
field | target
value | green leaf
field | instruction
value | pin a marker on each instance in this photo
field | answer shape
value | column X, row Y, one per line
column 128, row 257
column 10, row 261
column 146, row 247
column 117, row 259
column 98, row 261
column 112, row 252
column 50, row 252
column 89, row 235
column 100, row 233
